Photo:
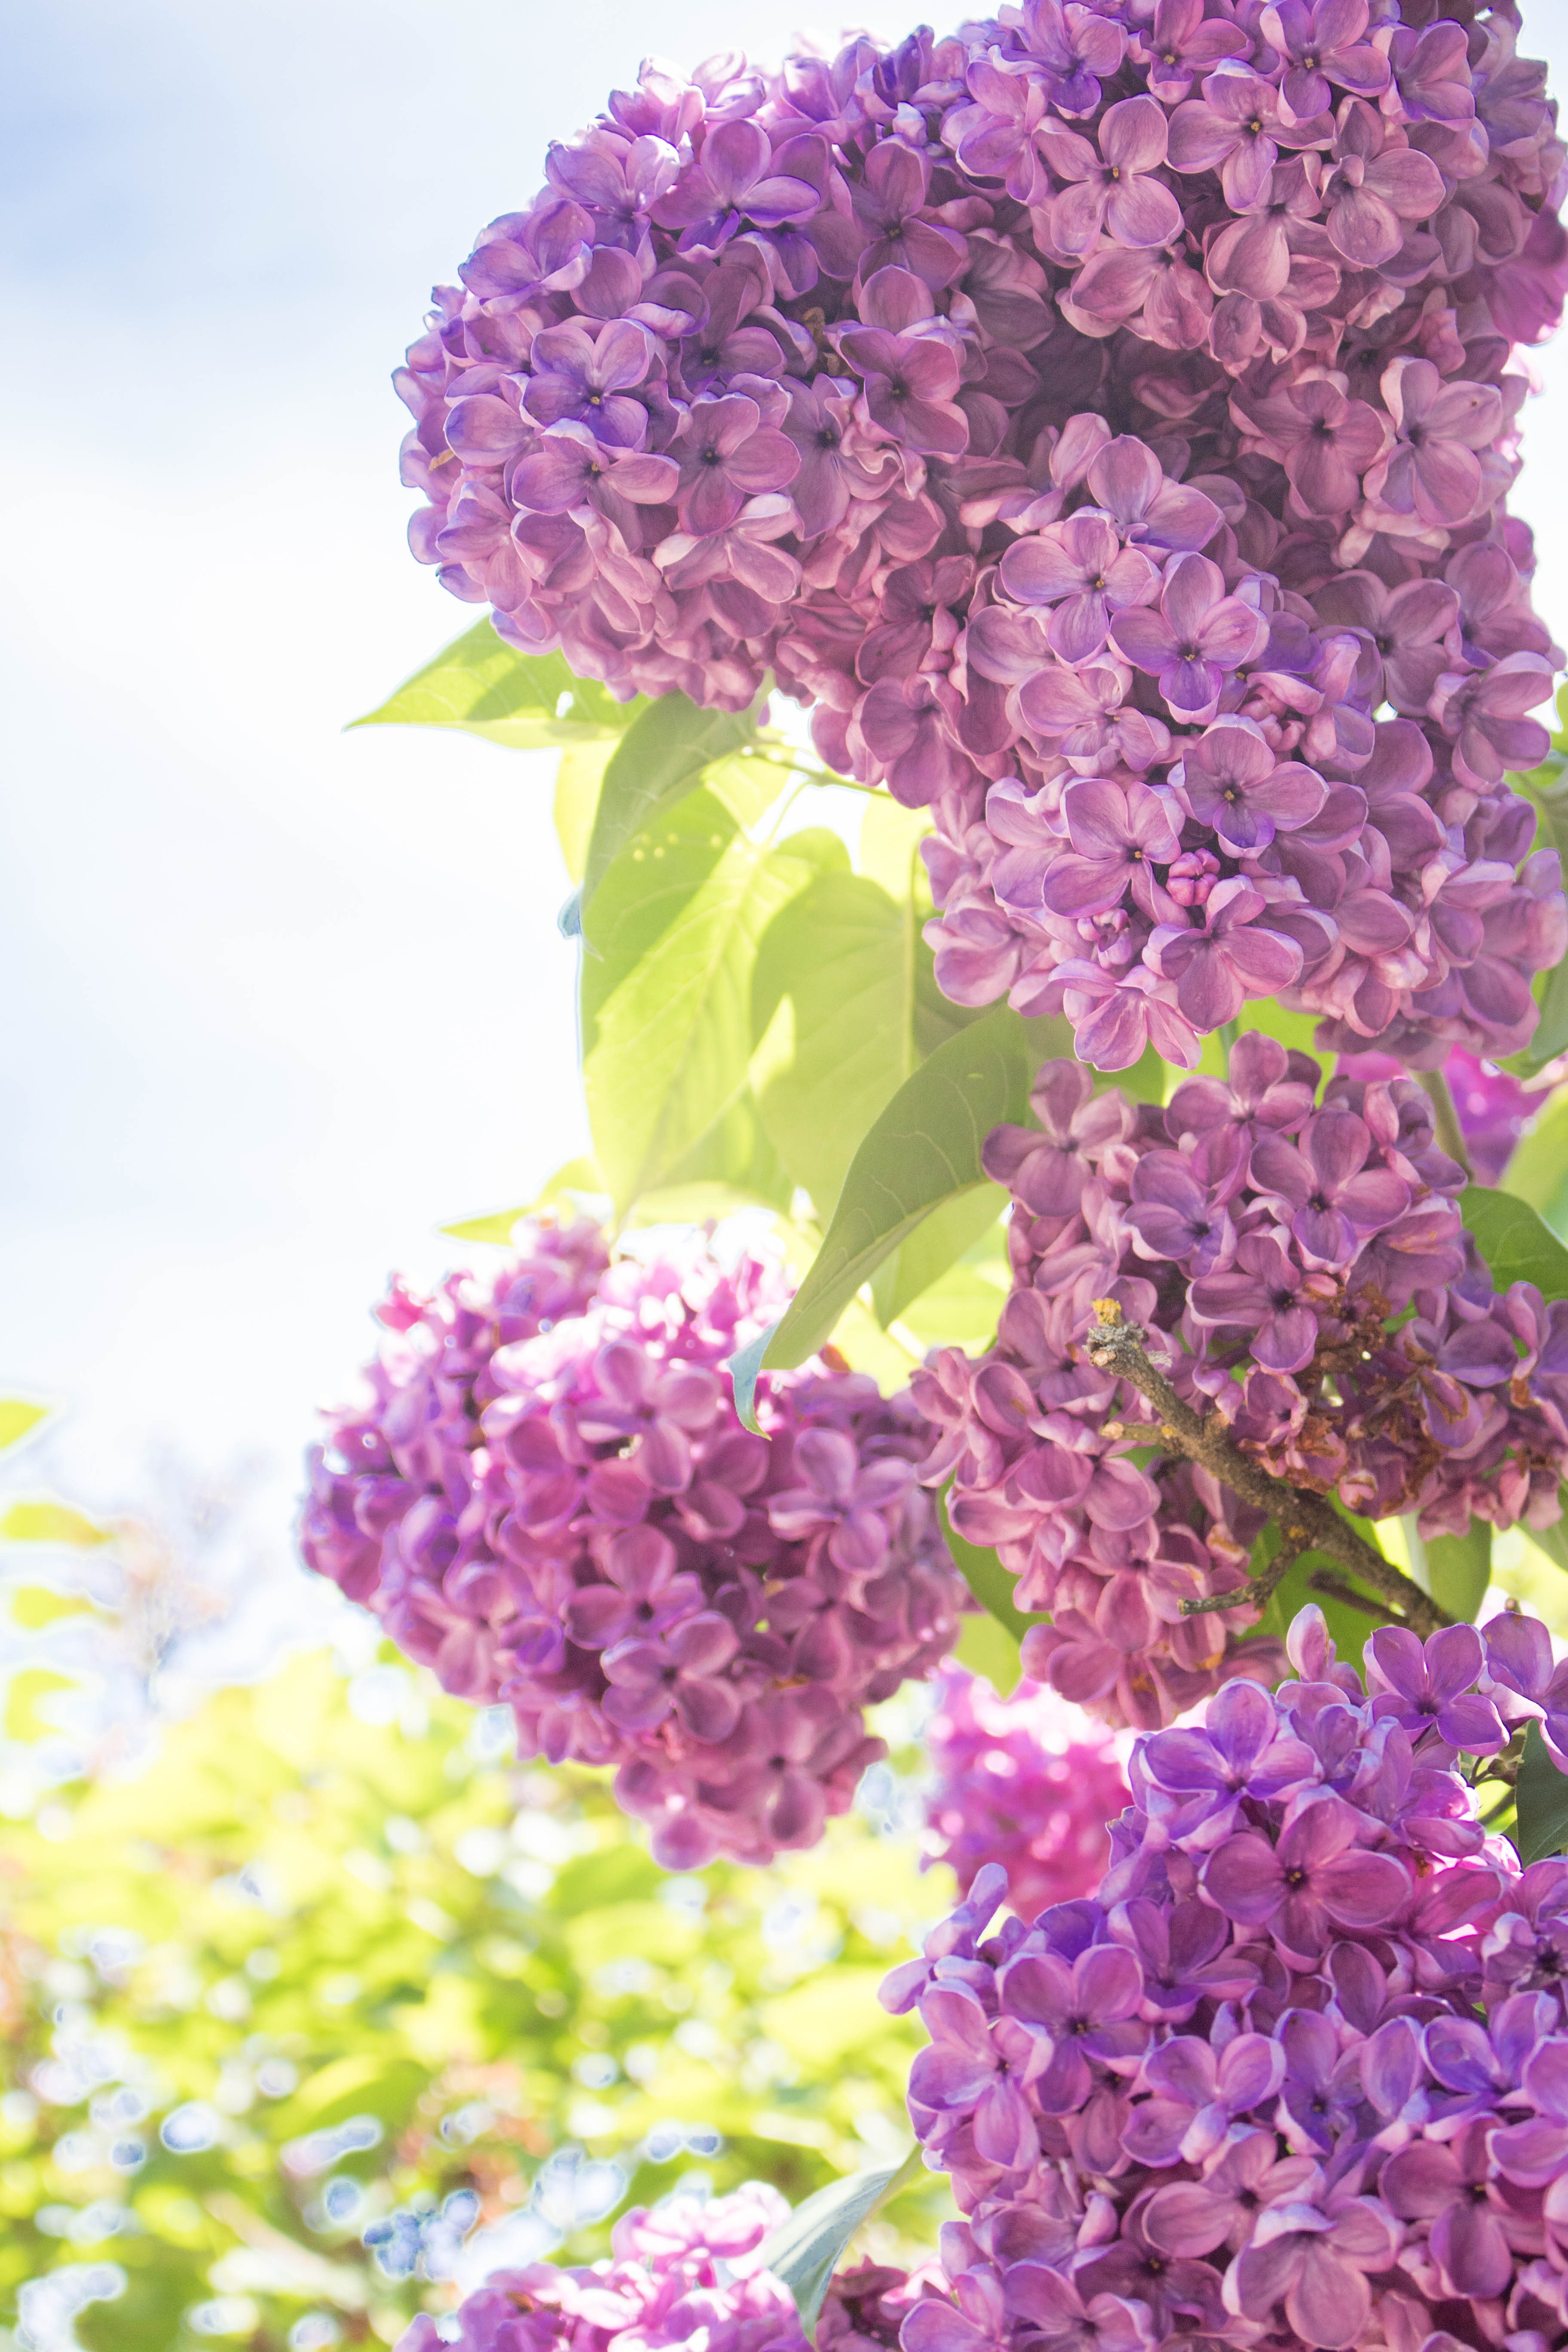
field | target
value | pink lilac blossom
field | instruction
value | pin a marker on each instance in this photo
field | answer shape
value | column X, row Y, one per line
column 1028, row 1781
column 682, row 2272
column 1299, row 1260
column 545, row 1494
column 1298, row 2073
column 1111, row 393
column 1493, row 1107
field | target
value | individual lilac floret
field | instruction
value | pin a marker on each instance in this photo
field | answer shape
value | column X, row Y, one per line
column 682, row 2272
column 1113, row 393
column 1028, row 1782
column 545, row 1494
column 1299, row 1261
column 1296, row 2074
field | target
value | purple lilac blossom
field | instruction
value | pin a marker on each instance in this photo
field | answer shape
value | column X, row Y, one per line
column 1028, row 1781
column 544, row 1494
column 681, row 2273
column 1078, row 396
column 1311, row 2085
column 1494, row 1108
column 1302, row 1267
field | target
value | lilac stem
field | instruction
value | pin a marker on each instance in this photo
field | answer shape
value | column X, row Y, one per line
column 1309, row 1521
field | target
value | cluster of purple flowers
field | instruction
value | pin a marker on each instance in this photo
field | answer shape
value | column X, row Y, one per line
column 1028, row 1781
column 1493, row 1107
column 1297, row 2075
column 545, row 1494
column 685, row 2272
column 1302, row 1267
column 1101, row 416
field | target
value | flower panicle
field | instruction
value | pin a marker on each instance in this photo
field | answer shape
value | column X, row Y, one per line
column 1102, row 418
column 1298, row 2072
column 545, row 1494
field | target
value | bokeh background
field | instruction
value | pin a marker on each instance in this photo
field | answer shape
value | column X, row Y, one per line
column 281, row 1002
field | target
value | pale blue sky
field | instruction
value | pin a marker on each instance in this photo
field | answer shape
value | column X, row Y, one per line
column 278, row 1000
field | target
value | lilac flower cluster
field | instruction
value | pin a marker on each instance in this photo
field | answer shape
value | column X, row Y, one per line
column 545, row 1494
column 685, row 2272
column 1273, row 1245
column 1298, row 2074
column 1493, row 1107
column 1101, row 416
column 1026, row 1781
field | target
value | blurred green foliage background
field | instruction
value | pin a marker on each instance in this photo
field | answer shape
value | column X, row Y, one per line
column 331, row 1960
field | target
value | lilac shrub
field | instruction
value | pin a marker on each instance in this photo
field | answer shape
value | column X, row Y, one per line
column 1298, row 2074
column 1102, row 417
column 1299, row 1260
column 685, row 2272
column 1027, row 1781
column 546, row 1496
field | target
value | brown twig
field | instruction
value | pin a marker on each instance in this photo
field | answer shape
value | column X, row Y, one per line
column 1262, row 1589
column 1334, row 1588
column 1309, row 1522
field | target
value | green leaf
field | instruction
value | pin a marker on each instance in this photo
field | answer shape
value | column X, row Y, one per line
column 731, row 1167
column 580, row 1176
column 845, row 1007
column 803, row 2252
column 1455, row 1569
column 1516, row 1244
column 922, row 1151
column 922, row 1261
column 889, row 850
column 1295, row 1030
column 666, row 1006
column 523, row 701
column 1538, row 1170
column 985, row 1647
column 17, row 1416
column 579, row 779
column 656, row 765
column 1551, row 1036
column 986, row 1578
column 1541, row 1798
column 1553, row 1540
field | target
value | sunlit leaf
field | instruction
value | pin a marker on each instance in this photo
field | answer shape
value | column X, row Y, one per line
column 51, row 1523
column 1455, row 1569
column 804, row 2252
column 733, row 1166
column 27, row 1716
column 922, row 1152
column 927, row 1258
column 523, row 701
column 579, row 779
column 1538, row 1169
column 667, row 1005
column 845, row 1006
column 656, row 765
column 32, row 1606
column 17, row 1416
column 574, row 1176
